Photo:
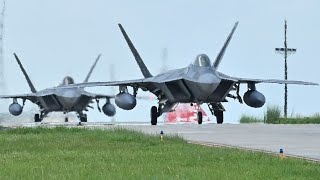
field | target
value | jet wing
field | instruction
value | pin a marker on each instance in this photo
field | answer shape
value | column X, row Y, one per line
column 251, row 80
column 277, row 81
column 110, row 83
column 32, row 97
column 142, row 83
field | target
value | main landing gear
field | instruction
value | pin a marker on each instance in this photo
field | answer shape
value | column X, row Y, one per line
column 217, row 109
column 39, row 117
column 82, row 117
column 154, row 115
column 219, row 116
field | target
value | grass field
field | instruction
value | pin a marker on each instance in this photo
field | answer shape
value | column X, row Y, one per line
column 272, row 115
column 250, row 119
column 61, row 153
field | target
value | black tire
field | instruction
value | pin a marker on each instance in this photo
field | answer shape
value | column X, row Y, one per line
column 199, row 116
column 154, row 115
column 37, row 118
column 219, row 116
column 66, row 119
column 83, row 119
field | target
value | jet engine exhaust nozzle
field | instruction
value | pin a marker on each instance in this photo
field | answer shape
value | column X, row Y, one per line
column 109, row 109
column 125, row 101
column 254, row 98
column 15, row 109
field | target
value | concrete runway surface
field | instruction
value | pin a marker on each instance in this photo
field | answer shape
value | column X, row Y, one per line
column 297, row 140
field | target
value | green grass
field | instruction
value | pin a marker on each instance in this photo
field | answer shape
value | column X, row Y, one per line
column 314, row 119
column 250, row 119
column 61, row 153
column 273, row 116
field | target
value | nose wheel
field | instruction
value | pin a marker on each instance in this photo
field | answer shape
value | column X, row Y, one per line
column 154, row 115
column 199, row 116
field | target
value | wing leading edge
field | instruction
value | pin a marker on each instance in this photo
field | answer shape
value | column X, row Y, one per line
column 277, row 81
column 252, row 80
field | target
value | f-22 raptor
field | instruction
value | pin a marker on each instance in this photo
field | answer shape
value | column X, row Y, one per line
column 199, row 83
column 62, row 98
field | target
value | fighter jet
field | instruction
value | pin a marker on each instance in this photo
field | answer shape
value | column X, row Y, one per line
column 198, row 83
column 60, row 99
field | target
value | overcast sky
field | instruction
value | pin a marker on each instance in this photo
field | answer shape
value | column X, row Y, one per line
column 55, row 38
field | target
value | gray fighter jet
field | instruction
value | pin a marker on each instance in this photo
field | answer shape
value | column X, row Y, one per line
column 198, row 83
column 60, row 99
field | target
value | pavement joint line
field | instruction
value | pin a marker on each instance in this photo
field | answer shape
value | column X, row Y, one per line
column 210, row 144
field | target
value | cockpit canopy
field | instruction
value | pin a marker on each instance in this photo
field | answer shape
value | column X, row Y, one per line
column 202, row 60
column 67, row 80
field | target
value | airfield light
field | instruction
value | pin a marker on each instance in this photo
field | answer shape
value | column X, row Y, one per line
column 161, row 135
column 285, row 52
column 281, row 153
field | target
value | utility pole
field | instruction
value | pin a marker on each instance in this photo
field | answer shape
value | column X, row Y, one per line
column 285, row 51
column 3, row 86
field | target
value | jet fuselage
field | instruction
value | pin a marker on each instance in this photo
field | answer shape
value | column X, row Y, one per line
column 64, row 99
column 200, row 83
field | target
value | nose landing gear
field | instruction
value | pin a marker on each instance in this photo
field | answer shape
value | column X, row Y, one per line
column 199, row 116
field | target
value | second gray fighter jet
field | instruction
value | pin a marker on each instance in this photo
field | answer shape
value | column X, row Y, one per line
column 62, row 98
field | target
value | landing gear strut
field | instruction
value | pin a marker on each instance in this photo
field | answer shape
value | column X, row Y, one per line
column 154, row 115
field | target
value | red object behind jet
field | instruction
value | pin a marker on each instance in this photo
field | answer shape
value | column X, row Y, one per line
column 185, row 113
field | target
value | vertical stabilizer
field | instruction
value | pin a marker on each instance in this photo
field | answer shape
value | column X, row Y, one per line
column 25, row 74
column 136, row 55
column 92, row 68
column 224, row 47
